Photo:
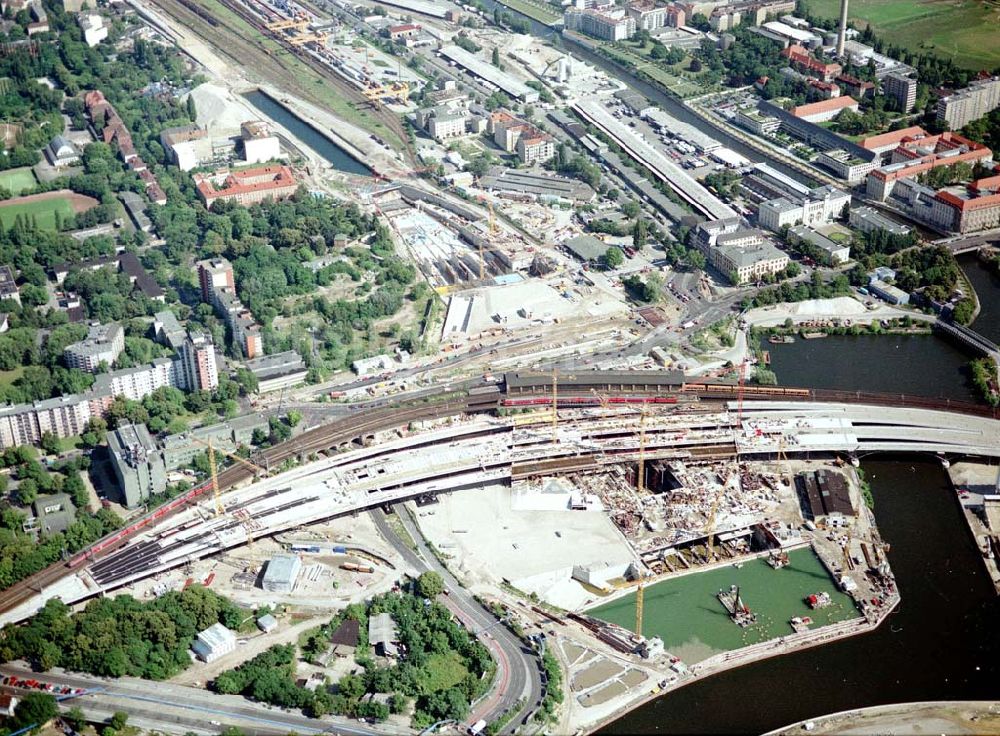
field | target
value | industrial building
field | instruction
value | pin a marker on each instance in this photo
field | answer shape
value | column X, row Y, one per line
column 825, row 493
column 180, row 449
column 187, row 146
column 507, row 84
column 888, row 292
column 278, row 371
column 101, row 347
column 259, row 143
column 214, row 642
column 542, row 186
column 586, row 247
column 282, row 573
column 137, row 462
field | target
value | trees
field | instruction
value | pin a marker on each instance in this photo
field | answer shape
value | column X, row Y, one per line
column 430, row 584
column 613, row 257
column 639, row 233
column 35, row 709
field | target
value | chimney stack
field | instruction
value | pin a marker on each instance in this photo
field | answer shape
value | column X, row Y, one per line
column 842, row 34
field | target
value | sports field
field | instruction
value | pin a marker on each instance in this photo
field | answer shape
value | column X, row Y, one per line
column 966, row 31
column 16, row 181
column 43, row 207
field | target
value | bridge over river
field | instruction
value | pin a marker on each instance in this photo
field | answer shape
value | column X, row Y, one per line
column 471, row 451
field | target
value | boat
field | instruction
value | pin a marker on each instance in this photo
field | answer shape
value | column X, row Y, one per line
column 738, row 610
column 737, row 565
column 800, row 624
column 819, row 600
column 781, row 339
column 813, row 335
column 778, row 559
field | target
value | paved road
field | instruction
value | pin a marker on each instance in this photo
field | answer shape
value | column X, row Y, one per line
column 517, row 671
column 179, row 709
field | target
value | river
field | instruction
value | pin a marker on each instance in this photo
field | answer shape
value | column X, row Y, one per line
column 337, row 156
column 941, row 643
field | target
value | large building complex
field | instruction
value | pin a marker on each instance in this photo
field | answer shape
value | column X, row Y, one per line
column 821, row 205
column 260, row 144
column 103, row 345
column 137, row 462
column 918, row 154
column 246, row 186
column 961, row 108
column 820, row 112
column 742, row 255
column 806, row 63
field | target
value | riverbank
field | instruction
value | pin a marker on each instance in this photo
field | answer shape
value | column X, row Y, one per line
column 952, row 717
column 973, row 483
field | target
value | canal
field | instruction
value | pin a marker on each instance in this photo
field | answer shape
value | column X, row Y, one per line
column 310, row 136
column 987, row 286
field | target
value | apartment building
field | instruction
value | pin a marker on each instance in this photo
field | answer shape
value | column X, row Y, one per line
column 902, row 90
column 961, row 108
column 606, row 24
column 137, row 462
column 103, row 344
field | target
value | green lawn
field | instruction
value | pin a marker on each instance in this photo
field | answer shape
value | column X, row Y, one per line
column 17, row 180
column 443, row 671
column 967, row 31
column 43, row 211
column 7, row 378
column 668, row 76
column 537, row 9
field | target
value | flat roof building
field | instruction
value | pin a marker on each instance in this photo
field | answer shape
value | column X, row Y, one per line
column 834, row 253
column 281, row 574
column 137, row 462
column 102, row 346
column 868, row 219
column 214, row 642
column 278, row 371
column 586, row 247
column 382, row 635
column 484, row 70
column 53, row 513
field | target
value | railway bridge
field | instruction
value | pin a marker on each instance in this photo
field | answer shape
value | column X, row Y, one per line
column 592, row 431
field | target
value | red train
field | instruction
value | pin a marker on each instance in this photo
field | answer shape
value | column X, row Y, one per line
column 122, row 534
column 571, row 401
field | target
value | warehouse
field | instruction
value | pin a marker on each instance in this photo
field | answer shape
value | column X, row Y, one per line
column 281, row 573
column 540, row 185
column 486, row 71
column 214, row 642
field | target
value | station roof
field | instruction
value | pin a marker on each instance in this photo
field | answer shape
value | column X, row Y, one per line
column 519, row 379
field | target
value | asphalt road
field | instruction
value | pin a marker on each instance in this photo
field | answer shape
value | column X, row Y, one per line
column 517, row 671
column 178, row 709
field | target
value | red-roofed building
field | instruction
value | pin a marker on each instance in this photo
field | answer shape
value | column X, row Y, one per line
column 918, row 154
column 891, row 140
column 802, row 60
column 855, row 87
column 246, row 186
column 819, row 112
column 975, row 208
column 823, row 90
column 407, row 30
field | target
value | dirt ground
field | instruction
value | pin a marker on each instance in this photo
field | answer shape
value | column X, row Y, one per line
column 79, row 202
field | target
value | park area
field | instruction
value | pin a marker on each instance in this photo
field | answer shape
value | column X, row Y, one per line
column 16, row 181
column 966, row 31
column 675, row 78
column 45, row 208
column 686, row 614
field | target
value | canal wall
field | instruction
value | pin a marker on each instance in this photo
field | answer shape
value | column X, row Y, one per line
column 340, row 142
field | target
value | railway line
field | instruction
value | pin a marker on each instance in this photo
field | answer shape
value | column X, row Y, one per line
column 531, row 392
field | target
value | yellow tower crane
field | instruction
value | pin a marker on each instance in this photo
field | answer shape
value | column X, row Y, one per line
column 712, row 513
column 638, row 609
column 257, row 470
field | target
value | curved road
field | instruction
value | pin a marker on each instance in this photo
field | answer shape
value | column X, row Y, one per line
column 517, row 670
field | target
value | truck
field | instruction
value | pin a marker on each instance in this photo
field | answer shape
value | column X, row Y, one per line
column 477, row 728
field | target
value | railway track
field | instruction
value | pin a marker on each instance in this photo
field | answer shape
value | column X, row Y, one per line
column 356, row 427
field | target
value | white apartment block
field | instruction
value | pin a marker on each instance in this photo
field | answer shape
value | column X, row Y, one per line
column 978, row 99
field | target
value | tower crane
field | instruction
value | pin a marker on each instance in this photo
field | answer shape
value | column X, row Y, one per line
column 257, row 469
